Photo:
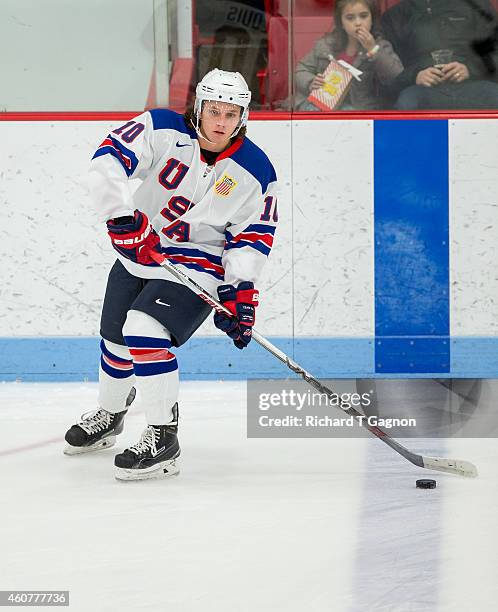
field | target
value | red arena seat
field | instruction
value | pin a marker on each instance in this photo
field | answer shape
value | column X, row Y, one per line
column 306, row 31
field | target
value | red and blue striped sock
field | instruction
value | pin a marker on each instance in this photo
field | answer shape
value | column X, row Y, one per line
column 151, row 356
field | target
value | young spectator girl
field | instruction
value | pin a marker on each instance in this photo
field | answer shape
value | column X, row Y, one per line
column 355, row 39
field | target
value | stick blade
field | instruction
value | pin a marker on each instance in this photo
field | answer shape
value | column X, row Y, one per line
column 451, row 466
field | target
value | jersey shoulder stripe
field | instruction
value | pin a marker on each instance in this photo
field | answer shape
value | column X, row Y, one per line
column 114, row 147
column 165, row 119
column 256, row 162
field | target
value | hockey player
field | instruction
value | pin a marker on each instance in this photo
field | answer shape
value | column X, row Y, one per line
column 206, row 200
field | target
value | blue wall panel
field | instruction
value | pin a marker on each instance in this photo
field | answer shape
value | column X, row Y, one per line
column 411, row 195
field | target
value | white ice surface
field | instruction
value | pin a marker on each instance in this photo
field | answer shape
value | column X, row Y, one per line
column 249, row 524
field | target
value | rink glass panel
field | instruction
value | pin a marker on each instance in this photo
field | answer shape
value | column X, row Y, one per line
column 126, row 56
column 96, row 55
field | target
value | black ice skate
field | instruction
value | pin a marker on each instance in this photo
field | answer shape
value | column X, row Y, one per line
column 96, row 430
column 154, row 456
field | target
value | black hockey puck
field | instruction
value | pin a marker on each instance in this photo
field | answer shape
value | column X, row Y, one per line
column 426, row 483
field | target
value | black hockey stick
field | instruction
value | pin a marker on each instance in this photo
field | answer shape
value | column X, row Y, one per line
column 453, row 466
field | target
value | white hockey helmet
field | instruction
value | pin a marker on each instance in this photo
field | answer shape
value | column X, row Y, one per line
column 222, row 86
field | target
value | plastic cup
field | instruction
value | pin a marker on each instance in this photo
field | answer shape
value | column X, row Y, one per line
column 441, row 57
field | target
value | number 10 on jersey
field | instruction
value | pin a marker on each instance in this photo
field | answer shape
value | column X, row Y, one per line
column 270, row 205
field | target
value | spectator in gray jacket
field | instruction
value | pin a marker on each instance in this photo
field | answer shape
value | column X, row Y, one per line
column 418, row 28
column 357, row 40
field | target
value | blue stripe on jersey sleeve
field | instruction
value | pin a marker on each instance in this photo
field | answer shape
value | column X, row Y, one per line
column 165, row 119
column 216, row 259
column 262, row 229
column 256, row 236
column 256, row 162
column 258, row 246
column 254, row 227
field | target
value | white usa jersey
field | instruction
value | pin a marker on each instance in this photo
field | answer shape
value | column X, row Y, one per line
column 218, row 222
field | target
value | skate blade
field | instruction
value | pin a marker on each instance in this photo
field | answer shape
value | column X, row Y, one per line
column 101, row 445
column 161, row 470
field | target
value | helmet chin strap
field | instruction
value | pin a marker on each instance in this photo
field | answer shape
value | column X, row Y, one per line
column 198, row 130
column 237, row 130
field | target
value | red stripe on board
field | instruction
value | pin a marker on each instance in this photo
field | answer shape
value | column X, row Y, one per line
column 390, row 115
column 257, row 115
column 61, row 116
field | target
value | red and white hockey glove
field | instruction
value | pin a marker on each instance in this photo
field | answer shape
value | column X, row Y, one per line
column 242, row 301
column 133, row 237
